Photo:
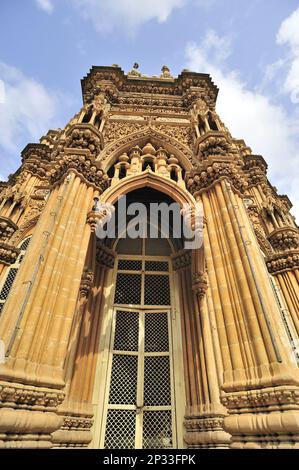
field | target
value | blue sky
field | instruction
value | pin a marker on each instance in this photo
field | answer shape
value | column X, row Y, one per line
column 251, row 49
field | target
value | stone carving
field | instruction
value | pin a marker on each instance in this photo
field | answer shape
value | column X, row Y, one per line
column 8, row 253
column 254, row 216
column 84, row 138
column 86, row 282
column 203, row 177
column 284, row 239
column 270, row 397
column 214, row 146
column 7, row 228
column 30, row 396
column 181, row 260
column 81, row 164
column 283, row 262
column 200, row 284
column 118, row 130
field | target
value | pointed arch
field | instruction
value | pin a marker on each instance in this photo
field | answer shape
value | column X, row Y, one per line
column 141, row 138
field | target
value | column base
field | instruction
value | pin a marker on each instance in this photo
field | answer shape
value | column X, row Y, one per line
column 266, row 418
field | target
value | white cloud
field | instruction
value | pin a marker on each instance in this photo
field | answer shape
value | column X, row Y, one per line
column 288, row 34
column 266, row 127
column 45, row 5
column 26, row 113
column 128, row 14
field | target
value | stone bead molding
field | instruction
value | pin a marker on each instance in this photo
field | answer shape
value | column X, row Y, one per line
column 8, row 253
column 273, row 399
column 205, row 176
column 81, row 164
column 284, row 239
column 125, row 89
column 25, row 396
column 280, row 262
column 7, row 229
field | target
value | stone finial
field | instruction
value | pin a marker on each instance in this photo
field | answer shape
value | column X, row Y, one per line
column 134, row 72
column 165, row 72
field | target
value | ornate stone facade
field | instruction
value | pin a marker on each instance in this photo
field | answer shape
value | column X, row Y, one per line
column 231, row 295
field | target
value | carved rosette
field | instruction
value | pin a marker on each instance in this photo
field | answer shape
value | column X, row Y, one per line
column 284, row 239
column 203, row 177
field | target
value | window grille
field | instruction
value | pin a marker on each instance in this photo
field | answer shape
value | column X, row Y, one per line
column 11, row 273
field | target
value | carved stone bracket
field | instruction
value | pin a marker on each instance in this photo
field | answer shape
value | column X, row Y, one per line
column 204, row 176
column 284, row 239
column 84, row 137
column 7, row 228
column 283, row 261
column 8, row 253
column 256, row 169
column 82, row 164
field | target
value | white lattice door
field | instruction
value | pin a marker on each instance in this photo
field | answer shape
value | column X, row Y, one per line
column 140, row 411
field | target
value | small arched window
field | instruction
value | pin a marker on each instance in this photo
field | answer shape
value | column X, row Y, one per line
column 212, row 123
column 87, row 116
column 6, row 285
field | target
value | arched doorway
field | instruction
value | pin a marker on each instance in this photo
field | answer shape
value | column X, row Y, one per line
column 139, row 388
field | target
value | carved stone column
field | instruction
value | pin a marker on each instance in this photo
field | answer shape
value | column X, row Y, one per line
column 257, row 364
column 204, row 414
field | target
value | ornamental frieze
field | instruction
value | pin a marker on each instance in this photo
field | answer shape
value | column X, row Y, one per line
column 118, row 130
column 261, row 398
column 151, row 132
column 183, row 134
column 30, row 396
column 256, row 170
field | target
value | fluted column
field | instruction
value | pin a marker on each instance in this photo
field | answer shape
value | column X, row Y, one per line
column 204, row 411
column 260, row 386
